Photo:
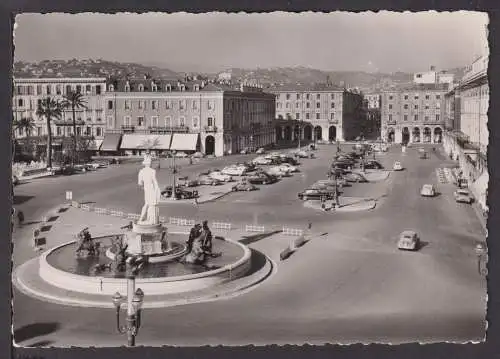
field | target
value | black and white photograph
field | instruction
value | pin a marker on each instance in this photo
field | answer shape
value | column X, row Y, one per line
column 244, row 179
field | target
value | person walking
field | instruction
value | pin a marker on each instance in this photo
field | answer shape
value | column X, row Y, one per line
column 20, row 218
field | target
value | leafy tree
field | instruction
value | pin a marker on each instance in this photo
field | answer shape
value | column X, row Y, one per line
column 50, row 109
column 74, row 101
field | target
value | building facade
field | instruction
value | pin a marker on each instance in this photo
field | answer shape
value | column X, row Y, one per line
column 329, row 113
column 413, row 114
column 191, row 116
column 433, row 77
column 29, row 92
column 372, row 100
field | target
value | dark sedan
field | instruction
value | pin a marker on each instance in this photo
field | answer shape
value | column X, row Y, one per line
column 355, row 177
column 261, row 178
column 180, row 193
column 372, row 164
column 315, row 193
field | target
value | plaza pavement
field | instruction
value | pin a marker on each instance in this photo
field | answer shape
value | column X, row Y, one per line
column 349, row 284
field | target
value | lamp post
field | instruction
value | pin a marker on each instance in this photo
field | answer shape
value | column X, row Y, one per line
column 135, row 299
column 174, row 172
column 482, row 257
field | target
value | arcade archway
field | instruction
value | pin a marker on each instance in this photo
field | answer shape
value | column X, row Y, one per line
column 332, row 133
column 308, row 132
column 438, row 135
column 278, row 133
column 427, row 135
column 288, row 133
column 318, row 133
column 405, row 135
column 416, row 135
column 209, row 145
column 390, row 135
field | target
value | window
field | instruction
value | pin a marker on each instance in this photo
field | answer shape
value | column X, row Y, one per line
column 98, row 131
column 99, row 119
column 154, row 88
column 39, row 90
column 416, row 97
column 79, row 130
column 39, row 102
column 141, row 88
column 110, row 121
column 297, row 116
column 196, row 87
column 426, row 106
column 332, row 96
column 389, row 119
column 427, row 97
column 405, row 118
column 426, row 119
column 58, row 131
column 419, row 76
column 307, row 116
column 437, row 118
column 298, row 96
column 128, row 105
column 127, row 87
column 88, row 89
column 317, row 115
column 288, row 96
column 154, row 121
column 38, row 131
column 406, row 97
column 415, row 118
column 168, row 121
column 110, row 105
column 318, row 96
column 88, row 131
column 98, row 89
column 287, row 105
column 438, row 105
column 405, row 106
column 168, row 104
column 182, row 122
column 49, row 88
column 126, row 121
column 154, row 104
column 416, row 107
column 210, row 105
column 210, row 121
column 78, row 88
column 195, row 105
column 140, row 121
column 89, row 120
column 20, row 131
column 308, row 105
column 58, row 90
column 297, row 105
column 318, row 104
column 332, row 105
column 20, row 102
column 141, row 105
column 182, row 104
column 196, row 121
column 390, row 106
column 438, row 97
column 332, row 116
column 390, row 97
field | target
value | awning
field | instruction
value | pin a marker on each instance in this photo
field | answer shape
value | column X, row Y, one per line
column 185, row 141
column 145, row 142
column 111, row 142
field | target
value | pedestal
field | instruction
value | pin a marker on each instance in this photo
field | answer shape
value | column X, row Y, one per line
column 147, row 239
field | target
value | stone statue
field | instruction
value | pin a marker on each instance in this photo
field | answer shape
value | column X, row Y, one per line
column 86, row 243
column 147, row 178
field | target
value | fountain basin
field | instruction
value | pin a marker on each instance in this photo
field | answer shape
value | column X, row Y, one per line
column 60, row 268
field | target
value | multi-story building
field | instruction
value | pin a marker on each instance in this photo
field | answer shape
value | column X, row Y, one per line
column 372, row 100
column 413, row 114
column 29, row 92
column 216, row 119
column 433, row 77
column 452, row 109
column 330, row 113
column 371, row 107
column 467, row 140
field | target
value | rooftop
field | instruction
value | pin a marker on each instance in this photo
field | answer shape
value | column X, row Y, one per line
column 305, row 88
column 418, row 87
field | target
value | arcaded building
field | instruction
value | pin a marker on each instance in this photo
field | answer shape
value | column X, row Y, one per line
column 190, row 116
column 413, row 114
column 327, row 112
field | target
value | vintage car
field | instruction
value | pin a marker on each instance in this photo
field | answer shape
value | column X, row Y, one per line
column 205, row 180
column 260, row 151
column 355, row 177
column 408, row 241
column 262, row 161
column 180, row 193
column 234, row 170
column 198, row 155
column 286, row 158
column 262, row 177
column 218, row 175
column 288, row 167
column 181, row 155
column 372, row 164
column 463, row 196
column 397, row 166
column 186, row 182
column 428, row 190
column 315, row 193
column 278, row 171
column 244, row 185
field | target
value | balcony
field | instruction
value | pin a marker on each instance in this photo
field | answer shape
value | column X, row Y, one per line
column 335, row 121
column 128, row 128
column 210, row 128
column 391, row 122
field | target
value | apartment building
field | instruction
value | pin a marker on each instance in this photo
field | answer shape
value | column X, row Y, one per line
column 214, row 118
column 327, row 112
column 414, row 113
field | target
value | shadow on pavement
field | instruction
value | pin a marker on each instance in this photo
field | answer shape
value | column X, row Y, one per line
column 257, row 237
column 21, row 199
column 34, row 330
column 423, row 244
column 32, row 222
column 259, row 260
column 41, row 344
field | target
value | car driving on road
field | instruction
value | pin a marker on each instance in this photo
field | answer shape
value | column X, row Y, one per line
column 397, row 166
column 463, row 196
column 261, row 177
column 355, row 177
column 218, row 175
column 244, row 185
column 315, row 193
column 409, row 241
column 428, row 190
column 180, row 193
column 205, row 180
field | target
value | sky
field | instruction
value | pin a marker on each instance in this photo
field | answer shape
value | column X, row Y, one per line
column 339, row 41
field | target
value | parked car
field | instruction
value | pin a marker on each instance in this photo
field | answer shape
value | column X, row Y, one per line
column 220, row 176
column 428, row 190
column 372, row 164
column 463, row 196
column 181, row 155
column 206, row 180
column 261, row 177
column 288, row 159
column 303, row 154
column 278, row 171
column 355, row 177
column 341, row 181
column 315, row 193
column 409, row 241
column 186, row 182
column 344, row 165
column 262, row 161
column 248, row 165
column 180, row 193
column 234, row 170
column 290, row 168
column 397, row 166
column 260, row 151
column 244, row 185
column 198, row 155
column 324, row 187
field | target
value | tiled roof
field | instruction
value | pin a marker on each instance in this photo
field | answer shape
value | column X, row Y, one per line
column 418, row 87
column 303, row 88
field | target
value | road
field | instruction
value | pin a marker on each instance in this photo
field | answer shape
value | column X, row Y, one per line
column 349, row 286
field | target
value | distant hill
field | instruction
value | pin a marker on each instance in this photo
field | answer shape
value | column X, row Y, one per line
column 365, row 81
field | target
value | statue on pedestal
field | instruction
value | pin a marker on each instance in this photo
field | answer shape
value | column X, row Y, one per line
column 147, row 178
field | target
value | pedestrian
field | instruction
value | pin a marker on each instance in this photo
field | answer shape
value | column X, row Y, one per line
column 20, row 218
column 36, row 234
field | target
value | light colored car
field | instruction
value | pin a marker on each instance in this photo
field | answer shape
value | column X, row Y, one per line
column 289, row 167
column 278, row 171
column 462, row 196
column 409, row 241
column 186, row 182
column 181, row 155
column 260, row 151
column 198, row 155
column 220, row 176
column 205, row 180
column 244, row 186
column 234, row 170
column 397, row 166
column 428, row 190
column 262, row 161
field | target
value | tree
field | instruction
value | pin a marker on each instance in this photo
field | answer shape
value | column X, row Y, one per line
column 75, row 101
column 49, row 108
column 25, row 125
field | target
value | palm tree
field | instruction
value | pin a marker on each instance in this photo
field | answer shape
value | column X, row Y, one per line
column 74, row 100
column 49, row 108
column 26, row 125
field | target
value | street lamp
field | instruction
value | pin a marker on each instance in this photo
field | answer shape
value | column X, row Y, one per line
column 482, row 257
column 135, row 299
column 174, row 171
